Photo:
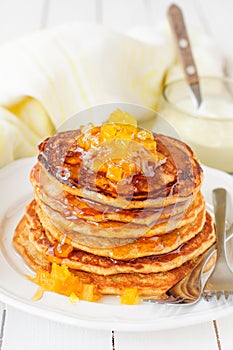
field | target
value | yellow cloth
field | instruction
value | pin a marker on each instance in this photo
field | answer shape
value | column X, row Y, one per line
column 51, row 75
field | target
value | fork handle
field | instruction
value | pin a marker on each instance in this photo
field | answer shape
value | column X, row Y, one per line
column 219, row 199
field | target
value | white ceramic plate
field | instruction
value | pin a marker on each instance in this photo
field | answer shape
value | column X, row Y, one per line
column 17, row 290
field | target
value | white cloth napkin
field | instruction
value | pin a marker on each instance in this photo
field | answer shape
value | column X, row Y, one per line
column 51, row 75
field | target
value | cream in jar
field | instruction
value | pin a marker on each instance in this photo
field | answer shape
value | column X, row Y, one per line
column 209, row 129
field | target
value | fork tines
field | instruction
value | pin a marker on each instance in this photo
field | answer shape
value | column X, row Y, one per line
column 217, row 294
column 170, row 300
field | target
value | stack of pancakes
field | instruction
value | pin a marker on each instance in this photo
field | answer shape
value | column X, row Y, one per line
column 118, row 205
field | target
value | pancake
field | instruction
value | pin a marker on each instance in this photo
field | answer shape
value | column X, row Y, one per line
column 147, row 284
column 73, row 227
column 80, row 260
column 175, row 179
column 52, row 194
column 140, row 247
column 126, row 249
column 26, row 249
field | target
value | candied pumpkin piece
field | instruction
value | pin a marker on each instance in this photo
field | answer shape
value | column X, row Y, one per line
column 73, row 298
column 107, row 132
column 61, row 280
column 126, row 131
column 143, row 135
column 129, row 296
column 89, row 137
column 97, row 165
column 114, row 172
column 88, row 292
column 60, row 273
column 119, row 116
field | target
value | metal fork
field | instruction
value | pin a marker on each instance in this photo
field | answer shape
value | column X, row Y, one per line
column 220, row 282
column 188, row 291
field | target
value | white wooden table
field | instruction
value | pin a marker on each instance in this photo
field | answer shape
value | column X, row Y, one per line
column 23, row 331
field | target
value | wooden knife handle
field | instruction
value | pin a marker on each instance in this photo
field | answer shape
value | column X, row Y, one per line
column 176, row 20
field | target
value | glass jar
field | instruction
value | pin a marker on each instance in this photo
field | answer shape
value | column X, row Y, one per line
column 207, row 129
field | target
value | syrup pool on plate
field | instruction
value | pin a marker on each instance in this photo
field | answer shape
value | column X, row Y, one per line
column 209, row 129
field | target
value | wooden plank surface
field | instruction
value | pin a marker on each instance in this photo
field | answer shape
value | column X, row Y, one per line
column 121, row 15
column 27, row 332
column 21, row 17
column 63, row 11
column 217, row 16
column 186, row 338
column 225, row 326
